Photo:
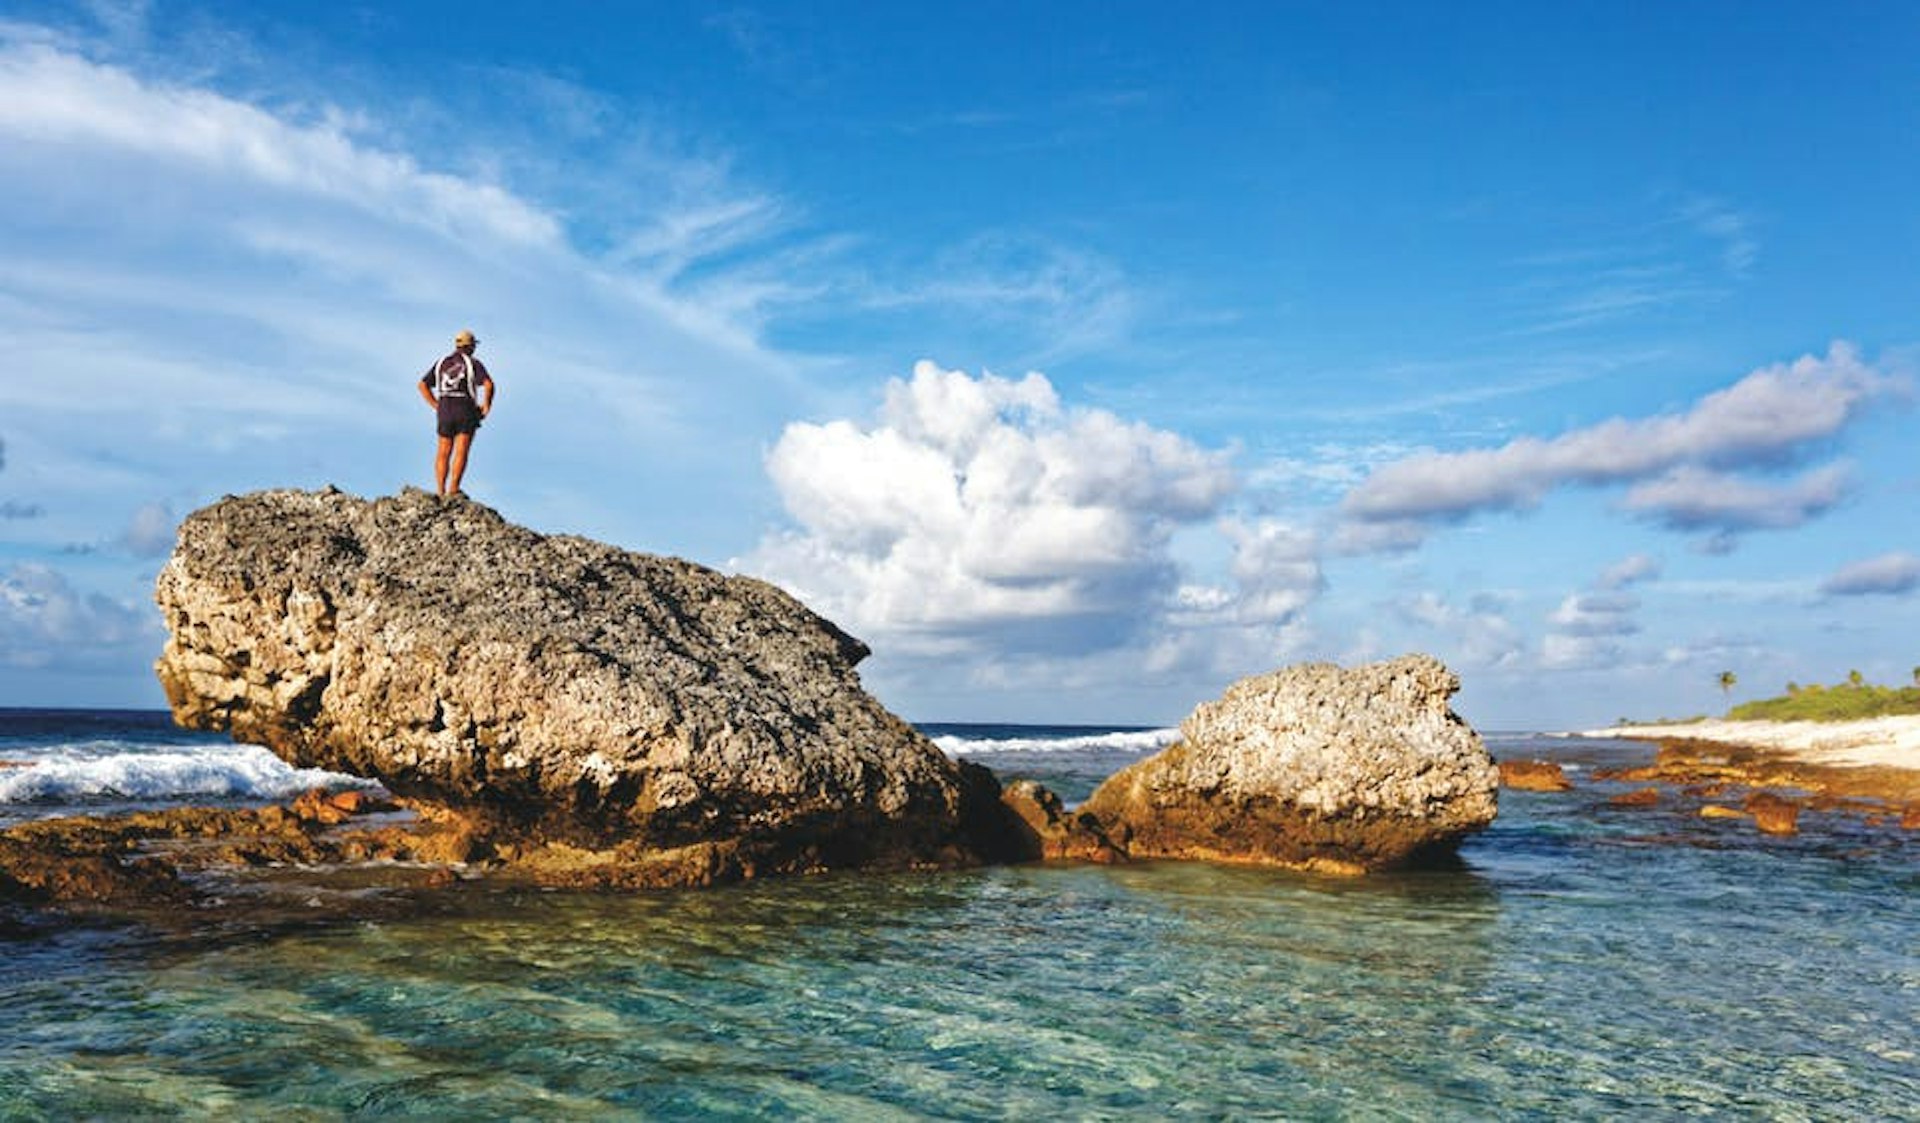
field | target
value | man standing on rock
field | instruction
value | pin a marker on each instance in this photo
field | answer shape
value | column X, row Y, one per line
column 452, row 387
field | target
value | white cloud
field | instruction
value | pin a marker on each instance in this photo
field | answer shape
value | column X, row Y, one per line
column 1561, row 651
column 1890, row 574
column 52, row 98
column 982, row 509
column 1586, row 629
column 45, row 622
column 1478, row 635
column 1693, row 498
column 225, row 294
column 1277, row 570
column 1764, row 421
column 1596, row 614
column 1630, row 570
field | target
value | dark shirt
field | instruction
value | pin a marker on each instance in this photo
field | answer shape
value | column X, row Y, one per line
column 449, row 376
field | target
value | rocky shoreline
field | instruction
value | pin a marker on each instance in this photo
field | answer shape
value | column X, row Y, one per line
column 558, row 712
column 1761, row 774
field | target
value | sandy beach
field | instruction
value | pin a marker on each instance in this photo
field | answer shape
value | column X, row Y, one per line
column 1891, row 742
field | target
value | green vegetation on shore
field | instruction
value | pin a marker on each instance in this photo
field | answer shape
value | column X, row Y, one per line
column 1847, row 701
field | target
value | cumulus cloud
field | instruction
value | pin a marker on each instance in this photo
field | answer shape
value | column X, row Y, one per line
column 1763, row 422
column 1479, row 634
column 1561, row 651
column 983, row 509
column 1889, row 575
column 46, row 622
column 1277, row 570
column 1597, row 614
column 1587, row 627
column 1692, row 498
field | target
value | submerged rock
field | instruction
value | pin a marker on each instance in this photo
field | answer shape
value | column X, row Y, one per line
column 578, row 707
column 1774, row 814
column 1311, row 766
column 1534, row 776
column 1639, row 797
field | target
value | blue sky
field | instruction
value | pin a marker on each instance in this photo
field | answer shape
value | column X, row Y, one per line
column 1080, row 357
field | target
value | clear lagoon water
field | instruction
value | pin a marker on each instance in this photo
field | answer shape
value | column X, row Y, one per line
column 1581, row 962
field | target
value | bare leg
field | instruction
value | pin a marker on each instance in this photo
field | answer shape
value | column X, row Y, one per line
column 440, row 465
column 460, row 445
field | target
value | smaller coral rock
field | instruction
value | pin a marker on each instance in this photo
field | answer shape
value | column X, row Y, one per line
column 1313, row 767
column 1059, row 833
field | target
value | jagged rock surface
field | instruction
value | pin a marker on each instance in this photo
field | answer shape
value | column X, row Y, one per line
column 1311, row 766
column 557, row 692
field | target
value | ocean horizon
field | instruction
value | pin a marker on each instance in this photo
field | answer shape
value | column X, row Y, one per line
column 1580, row 960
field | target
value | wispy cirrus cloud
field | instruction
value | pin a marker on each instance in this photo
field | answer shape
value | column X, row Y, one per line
column 193, row 277
column 1685, row 252
column 1054, row 300
column 1732, row 230
column 205, row 292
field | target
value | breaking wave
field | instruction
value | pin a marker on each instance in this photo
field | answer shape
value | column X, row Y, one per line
column 1037, row 741
column 101, row 770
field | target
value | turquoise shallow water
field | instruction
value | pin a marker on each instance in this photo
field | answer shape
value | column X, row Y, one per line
column 1582, row 962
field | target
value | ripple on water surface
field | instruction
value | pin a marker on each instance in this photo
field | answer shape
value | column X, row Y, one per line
column 1606, row 986
column 1584, row 962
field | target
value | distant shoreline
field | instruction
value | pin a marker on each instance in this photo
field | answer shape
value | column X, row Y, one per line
column 1889, row 742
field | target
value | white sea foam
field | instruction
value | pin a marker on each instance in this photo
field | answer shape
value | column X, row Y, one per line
column 1145, row 740
column 77, row 772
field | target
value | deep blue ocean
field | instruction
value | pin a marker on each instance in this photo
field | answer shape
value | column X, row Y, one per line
column 1583, row 961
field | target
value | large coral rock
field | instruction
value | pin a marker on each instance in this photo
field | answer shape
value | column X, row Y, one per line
column 1314, row 767
column 553, row 691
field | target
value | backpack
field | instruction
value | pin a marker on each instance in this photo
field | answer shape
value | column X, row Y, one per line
column 451, row 379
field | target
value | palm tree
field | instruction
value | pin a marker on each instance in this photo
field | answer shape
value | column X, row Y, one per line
column 1727, row 679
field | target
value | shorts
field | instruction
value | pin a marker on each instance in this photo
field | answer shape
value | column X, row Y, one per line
column 457, row 417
